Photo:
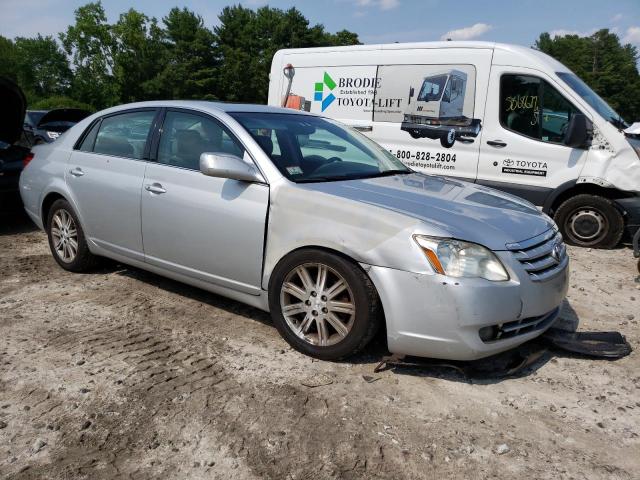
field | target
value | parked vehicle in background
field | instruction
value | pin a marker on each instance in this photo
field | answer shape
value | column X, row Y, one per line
column 527, row 125
column 303, row 217
column 44, row 126
column 13, row 153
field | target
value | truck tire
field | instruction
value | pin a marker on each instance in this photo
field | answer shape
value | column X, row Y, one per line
column 327, row 314
column 448, row 139
column 590, row 221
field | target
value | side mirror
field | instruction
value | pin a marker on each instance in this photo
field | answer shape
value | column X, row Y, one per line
column 578, row 131
column 225, row 165
column 411, row 93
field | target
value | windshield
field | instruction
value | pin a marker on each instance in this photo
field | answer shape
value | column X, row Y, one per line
column 592, row 98
column 313, row 149
column 34, row 116
column 432, row 88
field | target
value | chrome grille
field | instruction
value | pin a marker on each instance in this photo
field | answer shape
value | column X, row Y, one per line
column 543, row 256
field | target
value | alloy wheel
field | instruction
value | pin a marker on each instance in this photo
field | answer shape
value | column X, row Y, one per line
column 317, row 304
column 65, row 236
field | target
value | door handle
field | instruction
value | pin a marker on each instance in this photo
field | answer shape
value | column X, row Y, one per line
column 363, row 128
column 76, row 172
column 496, row 143
column 154, row 188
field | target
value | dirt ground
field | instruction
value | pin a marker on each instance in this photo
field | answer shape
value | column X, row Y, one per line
column 121, row 373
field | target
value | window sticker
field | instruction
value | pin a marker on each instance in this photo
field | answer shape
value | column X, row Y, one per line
column 294, row 171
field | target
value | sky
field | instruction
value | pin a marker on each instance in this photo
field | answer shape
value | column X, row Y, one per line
column 375, row 21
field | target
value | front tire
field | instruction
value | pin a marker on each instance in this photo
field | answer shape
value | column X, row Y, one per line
column 66, row 239
column 590, row 221
column 448, row 139
column 323, row 305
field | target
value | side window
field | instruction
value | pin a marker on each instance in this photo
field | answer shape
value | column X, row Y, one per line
column 125, row 134
column 185, row 136
column 532, row 107
column 90, row 138
column 519, row 108
column 556, row 113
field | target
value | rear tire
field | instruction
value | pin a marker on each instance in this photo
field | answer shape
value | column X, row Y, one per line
column 66, row 239
column 590, row 221
column 323, row 318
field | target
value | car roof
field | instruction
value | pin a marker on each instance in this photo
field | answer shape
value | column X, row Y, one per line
column 203, row 105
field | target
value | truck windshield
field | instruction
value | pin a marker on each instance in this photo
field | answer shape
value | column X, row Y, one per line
column 432, row 88
column 593, row 99
column 307, row 149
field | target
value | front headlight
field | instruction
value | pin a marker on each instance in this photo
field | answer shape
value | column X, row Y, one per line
column 456, row 258
column 53, row 135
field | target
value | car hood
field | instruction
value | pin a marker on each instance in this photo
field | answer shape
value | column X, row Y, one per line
column 453, row 208
column 73, row 115
column 14, row 108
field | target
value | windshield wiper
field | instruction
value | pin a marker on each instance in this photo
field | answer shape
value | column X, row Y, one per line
column 327, row 179
column 386, row 173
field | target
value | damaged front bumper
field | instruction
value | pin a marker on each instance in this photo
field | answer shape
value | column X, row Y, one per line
column 430, row 315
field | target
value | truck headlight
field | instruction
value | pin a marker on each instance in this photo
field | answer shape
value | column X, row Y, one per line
column 456, row 258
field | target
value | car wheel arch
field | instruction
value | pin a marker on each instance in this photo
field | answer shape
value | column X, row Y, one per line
column 47, row 202
column 343, row 255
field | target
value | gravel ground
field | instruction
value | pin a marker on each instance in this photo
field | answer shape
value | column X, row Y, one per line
column 121, row 373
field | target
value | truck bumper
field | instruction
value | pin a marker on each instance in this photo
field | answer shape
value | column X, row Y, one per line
column 438, row 131
column 440, row 317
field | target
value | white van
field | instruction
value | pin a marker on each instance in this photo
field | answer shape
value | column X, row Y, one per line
column 504, row 116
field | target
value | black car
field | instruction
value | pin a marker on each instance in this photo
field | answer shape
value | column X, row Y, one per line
column 42, row 126
column 14, row 149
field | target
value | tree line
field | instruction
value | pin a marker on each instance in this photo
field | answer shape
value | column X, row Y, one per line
column 95, row 64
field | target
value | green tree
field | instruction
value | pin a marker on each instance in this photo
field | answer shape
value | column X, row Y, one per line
column 139, row 55
column 608, row 67
column 43, row 69
column 8, row 58
column 247, row 40
column 90, row 44
column 189, row 69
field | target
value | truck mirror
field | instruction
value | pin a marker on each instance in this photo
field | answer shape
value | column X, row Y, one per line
column 577, row 132
column 411, row 92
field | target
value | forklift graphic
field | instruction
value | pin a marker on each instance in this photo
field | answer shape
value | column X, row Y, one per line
column 437, row 112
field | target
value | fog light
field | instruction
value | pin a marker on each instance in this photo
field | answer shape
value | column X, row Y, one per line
column 488, row 333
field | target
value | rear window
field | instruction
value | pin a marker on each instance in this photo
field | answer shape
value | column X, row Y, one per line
column 124, row 135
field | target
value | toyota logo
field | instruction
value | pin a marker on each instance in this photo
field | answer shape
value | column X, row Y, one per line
column 508, row 162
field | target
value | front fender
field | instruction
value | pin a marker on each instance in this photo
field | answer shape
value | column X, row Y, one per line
column 365, row 233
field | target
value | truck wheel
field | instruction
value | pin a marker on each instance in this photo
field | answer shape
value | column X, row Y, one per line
column 590, row 221
column 449, row 139
column 323, row 305
column 414, row 133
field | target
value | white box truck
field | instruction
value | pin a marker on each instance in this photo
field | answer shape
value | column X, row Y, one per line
column 503, row 116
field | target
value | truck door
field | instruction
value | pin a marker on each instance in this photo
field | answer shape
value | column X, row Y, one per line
column 522, row 150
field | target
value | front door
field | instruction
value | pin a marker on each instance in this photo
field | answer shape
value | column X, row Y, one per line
column 105, row 178
column 210, row 229
column 521, row 150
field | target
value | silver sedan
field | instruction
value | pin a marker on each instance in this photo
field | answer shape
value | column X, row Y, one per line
column 305, row 218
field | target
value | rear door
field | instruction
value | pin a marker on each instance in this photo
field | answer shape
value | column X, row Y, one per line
column 105, row 176
column 210, row 229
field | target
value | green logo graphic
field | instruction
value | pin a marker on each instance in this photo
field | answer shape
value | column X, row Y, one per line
column 319, row 91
